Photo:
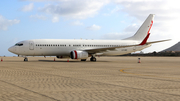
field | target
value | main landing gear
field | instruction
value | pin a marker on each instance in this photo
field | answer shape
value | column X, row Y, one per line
column 25, row 59
column 93, row 58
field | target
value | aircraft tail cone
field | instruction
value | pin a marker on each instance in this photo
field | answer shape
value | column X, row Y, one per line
column 54, row 59
column 139, row 60
column 1, row 59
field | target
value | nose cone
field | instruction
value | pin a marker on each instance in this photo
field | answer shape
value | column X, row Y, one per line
column 11, row 49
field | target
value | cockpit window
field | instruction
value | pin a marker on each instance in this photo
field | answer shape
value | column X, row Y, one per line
column 19, row 44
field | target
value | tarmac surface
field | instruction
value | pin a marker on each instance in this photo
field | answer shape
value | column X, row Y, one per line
column 108, row 79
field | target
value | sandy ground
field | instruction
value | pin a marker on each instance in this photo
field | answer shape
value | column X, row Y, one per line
column 108, row 79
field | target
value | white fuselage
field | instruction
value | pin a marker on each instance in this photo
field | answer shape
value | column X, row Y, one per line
column 82, row 49
column 63, row 47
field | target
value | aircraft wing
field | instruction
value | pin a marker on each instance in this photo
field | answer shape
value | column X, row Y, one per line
column 99, row 50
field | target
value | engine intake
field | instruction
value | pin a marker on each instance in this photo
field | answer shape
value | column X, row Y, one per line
column 79, row 54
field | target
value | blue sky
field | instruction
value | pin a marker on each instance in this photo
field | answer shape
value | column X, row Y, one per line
column 86, row 19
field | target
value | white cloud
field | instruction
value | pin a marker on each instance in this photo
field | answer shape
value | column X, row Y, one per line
column 44, row 0
column 94, row 27
column 77, row 23
column 166, row 22
column 27, row 8
column 78, row 9
column 116, row 9
column 55, row 19
column 131, row 29
column 127, row 32
column 114, row 35
column 38, row 17
column 4, row 23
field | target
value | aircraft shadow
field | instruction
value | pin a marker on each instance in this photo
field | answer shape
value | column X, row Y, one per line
column 69, row 61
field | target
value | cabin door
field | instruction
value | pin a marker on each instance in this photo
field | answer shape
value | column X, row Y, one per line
column 31, row 45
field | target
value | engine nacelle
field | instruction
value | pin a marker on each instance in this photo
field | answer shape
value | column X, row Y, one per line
column 79, row 54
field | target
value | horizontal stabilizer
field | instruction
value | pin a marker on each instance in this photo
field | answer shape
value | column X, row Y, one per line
column 157, row 41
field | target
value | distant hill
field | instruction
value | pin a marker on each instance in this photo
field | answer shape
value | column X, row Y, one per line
column 175, row 48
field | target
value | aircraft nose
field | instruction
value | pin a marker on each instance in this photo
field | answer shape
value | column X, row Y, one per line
column 11, row 49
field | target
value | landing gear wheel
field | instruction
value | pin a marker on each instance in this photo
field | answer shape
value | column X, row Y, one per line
column 25, row 59
column 93, row 59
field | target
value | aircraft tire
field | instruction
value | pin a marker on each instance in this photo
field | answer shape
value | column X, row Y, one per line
column 25, row 59
column 93, row 59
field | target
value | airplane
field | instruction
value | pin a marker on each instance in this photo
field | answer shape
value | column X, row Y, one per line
column 83, row 49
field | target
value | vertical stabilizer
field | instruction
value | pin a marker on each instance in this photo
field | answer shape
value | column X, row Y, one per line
column 143, row 32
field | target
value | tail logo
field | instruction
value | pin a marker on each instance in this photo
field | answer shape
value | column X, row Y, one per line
column 146, row 38
column 150, row 27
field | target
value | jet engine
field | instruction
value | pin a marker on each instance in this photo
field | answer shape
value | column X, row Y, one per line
column 79, row 54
